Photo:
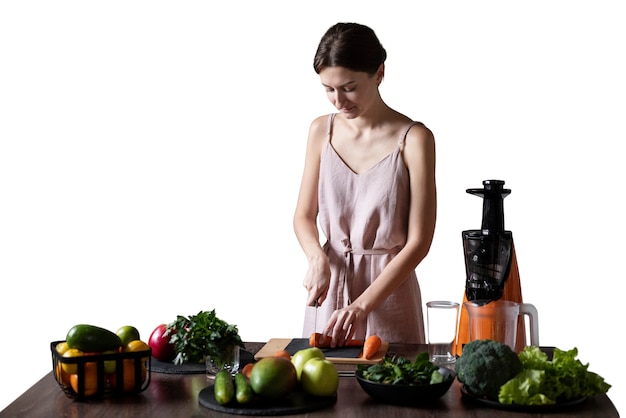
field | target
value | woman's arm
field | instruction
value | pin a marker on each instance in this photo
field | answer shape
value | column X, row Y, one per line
column 419, row 157
column 317, row 279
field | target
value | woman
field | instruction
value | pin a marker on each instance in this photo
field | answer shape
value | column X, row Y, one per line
column 369, row 175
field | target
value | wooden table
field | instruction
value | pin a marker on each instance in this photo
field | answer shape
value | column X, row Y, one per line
column 176, row 395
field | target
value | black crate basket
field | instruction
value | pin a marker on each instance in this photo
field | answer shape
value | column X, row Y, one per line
column 77, row 386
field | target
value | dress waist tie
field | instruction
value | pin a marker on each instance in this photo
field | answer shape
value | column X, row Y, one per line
column 345, row 279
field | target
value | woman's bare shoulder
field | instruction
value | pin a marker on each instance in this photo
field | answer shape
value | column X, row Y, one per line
column 419, row 146
column 418, row 134
column 319, row 124
column 318, row 131
column 416, row 129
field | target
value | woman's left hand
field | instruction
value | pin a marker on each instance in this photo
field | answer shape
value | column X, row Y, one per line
column 343, row 323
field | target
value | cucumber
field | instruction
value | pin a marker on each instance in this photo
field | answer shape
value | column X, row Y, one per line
column 92, row 339
column 224, row 388
column 243, row 390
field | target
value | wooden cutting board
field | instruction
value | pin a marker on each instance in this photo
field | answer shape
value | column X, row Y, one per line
column 275, row 344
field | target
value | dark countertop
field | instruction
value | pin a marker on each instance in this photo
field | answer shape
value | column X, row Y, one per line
column 176, row 395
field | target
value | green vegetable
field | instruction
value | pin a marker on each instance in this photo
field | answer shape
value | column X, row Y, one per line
column 201, row 335
column 243, row 390
column 401, row 371
column 485, row 366
column 224, row 389
column 92, row 339
column 543, row 382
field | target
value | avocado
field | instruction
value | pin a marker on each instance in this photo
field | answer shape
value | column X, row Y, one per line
column 92, row 339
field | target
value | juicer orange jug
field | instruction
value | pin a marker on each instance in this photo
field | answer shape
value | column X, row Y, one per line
column 497, row 320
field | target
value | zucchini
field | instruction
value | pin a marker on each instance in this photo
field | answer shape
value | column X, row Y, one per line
column 224, row 388
column 92, row 339
column 243, row 390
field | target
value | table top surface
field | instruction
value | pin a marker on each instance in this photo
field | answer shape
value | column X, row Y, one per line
column 176, row 395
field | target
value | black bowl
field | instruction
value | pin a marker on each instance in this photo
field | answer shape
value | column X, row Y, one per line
column 407, row 394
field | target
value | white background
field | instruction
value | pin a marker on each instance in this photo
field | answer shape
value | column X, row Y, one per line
column 151, row 154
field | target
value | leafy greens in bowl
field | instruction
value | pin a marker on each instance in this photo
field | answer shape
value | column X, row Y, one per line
column 397, row 380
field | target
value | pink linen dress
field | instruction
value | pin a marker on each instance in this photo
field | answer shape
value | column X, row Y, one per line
column 364, row 218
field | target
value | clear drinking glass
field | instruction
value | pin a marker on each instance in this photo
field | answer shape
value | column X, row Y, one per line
column 442, row 319
column 228, row 359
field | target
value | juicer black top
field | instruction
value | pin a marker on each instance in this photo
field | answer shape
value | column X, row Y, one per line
column 488, row 251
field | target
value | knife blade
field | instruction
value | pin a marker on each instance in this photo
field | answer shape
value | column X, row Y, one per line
column 315, row 305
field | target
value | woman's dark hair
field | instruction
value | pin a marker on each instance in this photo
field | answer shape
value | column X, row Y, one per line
column 352, row 46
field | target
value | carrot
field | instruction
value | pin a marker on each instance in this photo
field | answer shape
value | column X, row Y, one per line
column 354, row 343
column 283, row 353
column 316, row 341
column 371, row 346
column 247, row 369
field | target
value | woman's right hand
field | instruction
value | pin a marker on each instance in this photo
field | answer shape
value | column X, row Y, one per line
column 317, row 280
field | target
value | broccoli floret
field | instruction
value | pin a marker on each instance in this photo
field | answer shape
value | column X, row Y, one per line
column 485, row 366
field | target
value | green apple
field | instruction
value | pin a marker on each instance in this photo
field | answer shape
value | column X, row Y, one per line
column 109, row 365
column 320, row 377
column 300, row 357
column 127, row 333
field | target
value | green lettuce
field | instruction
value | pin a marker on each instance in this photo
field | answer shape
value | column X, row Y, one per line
column 544, row 382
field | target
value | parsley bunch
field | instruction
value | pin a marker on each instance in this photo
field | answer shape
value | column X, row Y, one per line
column 198, row 336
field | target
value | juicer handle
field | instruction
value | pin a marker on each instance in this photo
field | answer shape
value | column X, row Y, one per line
column 529, row 310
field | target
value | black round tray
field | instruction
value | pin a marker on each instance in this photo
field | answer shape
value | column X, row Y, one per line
column 157, row 366
column 296, row 402
column 522, row 408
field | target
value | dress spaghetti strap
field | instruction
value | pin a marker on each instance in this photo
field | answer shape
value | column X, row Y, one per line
column 329, row 129
column 406, row 132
